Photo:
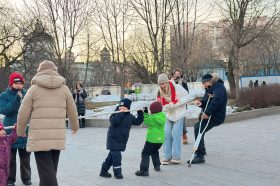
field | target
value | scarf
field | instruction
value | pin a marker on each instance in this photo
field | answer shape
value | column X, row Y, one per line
column 164, row 98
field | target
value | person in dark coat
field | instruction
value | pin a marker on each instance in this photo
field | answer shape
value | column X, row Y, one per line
column 10, row 101
column 117, row 137
column 177, row 77
column 214, row 87
column 79, row 96
column 256, row 83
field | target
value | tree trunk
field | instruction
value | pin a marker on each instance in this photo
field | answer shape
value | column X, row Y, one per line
column 230, row 74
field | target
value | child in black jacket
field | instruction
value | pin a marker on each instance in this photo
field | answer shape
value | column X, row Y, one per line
column 117, row 137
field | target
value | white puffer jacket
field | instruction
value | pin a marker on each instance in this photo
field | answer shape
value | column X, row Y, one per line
column 174, row 112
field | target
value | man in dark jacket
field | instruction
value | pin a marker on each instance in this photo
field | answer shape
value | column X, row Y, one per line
column 117, row 137
column 214, row 87
column 10, row 101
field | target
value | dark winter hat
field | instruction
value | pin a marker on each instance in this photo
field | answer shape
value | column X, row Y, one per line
column 206, row 78
column 1, row 126
column 126, row 103
column 44, row 65
column 162, row 78
column 155, row 107
column 15, row 77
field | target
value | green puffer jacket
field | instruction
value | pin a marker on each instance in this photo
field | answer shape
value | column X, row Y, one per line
column 155, row 123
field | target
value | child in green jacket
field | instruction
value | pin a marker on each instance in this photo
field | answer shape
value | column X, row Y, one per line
column 154, row 139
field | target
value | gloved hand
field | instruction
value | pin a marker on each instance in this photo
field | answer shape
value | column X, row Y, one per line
column 168, row 107
column 146, row 109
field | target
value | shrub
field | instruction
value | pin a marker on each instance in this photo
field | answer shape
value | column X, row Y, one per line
column 260, row 97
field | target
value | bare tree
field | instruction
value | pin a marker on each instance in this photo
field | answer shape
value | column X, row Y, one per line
column 155, row 15
column 13, row 28
column 184, row 19
column 65, row 20
column 113, row 22
column 246, row 22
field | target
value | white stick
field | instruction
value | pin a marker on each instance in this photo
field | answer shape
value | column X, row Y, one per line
column 105, row 113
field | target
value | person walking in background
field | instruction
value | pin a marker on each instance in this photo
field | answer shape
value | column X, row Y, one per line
column 251, row 84
column 154, row 138
column 10, row 101
column 79, row 96
column 215, row 89
column 174, row 99
column 117, row 137
column 177, row 77
column 45, row 107
column 256, row 83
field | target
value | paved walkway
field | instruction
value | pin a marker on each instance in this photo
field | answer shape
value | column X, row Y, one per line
column 241, row 153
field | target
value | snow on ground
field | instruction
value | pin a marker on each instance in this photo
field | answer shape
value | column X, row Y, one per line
column 144, row 100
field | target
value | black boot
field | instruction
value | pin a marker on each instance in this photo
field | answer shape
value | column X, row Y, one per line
column 27, row 182
column 118, row 176
column 197, row 159
column 118, row 173
column 104, row 172
column 142, row 173
column 157, row 168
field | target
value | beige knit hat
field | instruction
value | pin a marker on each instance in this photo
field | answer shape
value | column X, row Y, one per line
column 162, row 78
column 46, row 65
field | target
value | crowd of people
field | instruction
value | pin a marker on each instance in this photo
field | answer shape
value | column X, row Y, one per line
column 38, row 116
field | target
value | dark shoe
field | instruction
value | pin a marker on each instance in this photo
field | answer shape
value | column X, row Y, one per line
column 27, row 182
column 10, row 184
column 142, row 173
column 119, row 176
column 157, row 168
column 105, row 174
column 197, row 159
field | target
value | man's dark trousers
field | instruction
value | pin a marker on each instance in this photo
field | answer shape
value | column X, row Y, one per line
column 201, row 146
column 47, row 162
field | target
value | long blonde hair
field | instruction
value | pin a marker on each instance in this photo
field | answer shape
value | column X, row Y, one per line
column 165, row 92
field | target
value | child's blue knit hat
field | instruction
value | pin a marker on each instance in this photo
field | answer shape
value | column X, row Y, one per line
column 126, row 103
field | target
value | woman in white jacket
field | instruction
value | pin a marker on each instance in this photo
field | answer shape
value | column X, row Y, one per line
column 173, row 98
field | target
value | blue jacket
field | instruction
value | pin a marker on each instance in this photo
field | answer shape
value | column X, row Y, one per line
column 9, row 106
column 118, row 132
column 217, row 104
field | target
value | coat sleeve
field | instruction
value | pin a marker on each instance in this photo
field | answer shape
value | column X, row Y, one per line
column 139, row 119
column 84, row 94
column 182, row 96
column 13, row 136
column 71, row 110
column 218, row 99
column 148, row 119
column 116, row 119
column 8, row 107
column 24, row 112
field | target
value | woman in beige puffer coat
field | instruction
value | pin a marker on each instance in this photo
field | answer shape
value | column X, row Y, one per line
column 45, row 106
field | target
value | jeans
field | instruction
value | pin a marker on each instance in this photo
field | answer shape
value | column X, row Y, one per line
column 173, row 139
